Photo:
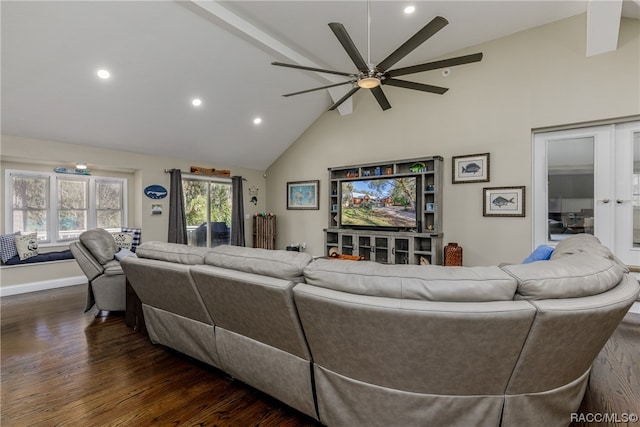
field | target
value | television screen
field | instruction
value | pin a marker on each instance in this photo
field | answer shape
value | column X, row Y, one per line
column 379, row 203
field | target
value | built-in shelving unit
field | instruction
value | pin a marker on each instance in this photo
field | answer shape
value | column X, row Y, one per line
column 402, row 246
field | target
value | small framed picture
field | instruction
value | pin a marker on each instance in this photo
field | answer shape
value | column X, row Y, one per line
column 302, row 194
column 503, row 201
column 470, row 168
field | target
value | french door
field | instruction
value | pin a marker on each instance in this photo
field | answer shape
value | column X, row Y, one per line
column 587, row 180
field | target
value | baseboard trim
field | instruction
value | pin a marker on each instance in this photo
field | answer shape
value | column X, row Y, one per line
column 24, row 288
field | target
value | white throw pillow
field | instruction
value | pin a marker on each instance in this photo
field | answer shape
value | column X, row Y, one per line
column 123, row 253
column 27, row 245
column 123, row 240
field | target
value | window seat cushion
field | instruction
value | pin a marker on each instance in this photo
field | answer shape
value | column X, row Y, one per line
column 49, row 256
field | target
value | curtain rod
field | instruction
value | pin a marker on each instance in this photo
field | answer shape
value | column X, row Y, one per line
column 169, row 171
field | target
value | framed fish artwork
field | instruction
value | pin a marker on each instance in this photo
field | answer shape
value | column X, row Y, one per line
column 470, row 168
column 503, row 201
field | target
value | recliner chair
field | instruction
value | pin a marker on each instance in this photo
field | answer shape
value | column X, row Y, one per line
column 95, row 253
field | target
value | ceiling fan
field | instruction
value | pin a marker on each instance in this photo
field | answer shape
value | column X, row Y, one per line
column 373, row 77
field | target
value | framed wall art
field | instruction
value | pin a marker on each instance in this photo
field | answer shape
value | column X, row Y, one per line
column 303, row 194
column 470, row 168
column 503, row 201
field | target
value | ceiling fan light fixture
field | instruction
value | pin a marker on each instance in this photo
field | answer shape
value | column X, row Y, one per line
column 369, row 82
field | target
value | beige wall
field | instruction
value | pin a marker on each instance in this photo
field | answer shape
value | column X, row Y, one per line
column 528, row 80
column 143, row 170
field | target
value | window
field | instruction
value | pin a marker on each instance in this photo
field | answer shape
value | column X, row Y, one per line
column 29, row 204
column 60, row 207
column 207, row 198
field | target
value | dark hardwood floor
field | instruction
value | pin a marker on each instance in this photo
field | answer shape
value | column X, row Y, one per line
column 64, row 367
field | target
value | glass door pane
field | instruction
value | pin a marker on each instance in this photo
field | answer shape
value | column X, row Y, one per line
column 570, row 187
column 636, row 190
column 196, row 207
column 219, row 214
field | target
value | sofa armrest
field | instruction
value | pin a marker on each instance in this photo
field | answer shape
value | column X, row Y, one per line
column 88, row 264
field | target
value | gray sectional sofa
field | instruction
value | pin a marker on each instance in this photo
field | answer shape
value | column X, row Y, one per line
column 355, row 343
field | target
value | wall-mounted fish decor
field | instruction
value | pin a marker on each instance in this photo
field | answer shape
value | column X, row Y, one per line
column 72, row 171
column 501, row 201
column 473, row 168
column 155, row 192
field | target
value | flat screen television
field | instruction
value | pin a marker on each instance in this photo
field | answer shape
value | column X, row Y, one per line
column 379, row 203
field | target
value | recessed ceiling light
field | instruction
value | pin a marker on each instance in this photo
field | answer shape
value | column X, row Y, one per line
column 196, row 102
column 257, row 121
column 409, row 9
column 103, row 74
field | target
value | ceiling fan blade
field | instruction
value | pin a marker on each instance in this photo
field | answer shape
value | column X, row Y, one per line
column 416, row 86
column 381, row 98
column 418, row 38
column 318, row 88
column 451, row 62
column 319, row 70
column 348, row 45
column 344, row 98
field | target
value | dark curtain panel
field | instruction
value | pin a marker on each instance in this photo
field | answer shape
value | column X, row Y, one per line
column 237, row 212
column 177, row 218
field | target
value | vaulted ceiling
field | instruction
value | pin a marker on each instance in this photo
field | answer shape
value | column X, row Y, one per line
column 163, row 54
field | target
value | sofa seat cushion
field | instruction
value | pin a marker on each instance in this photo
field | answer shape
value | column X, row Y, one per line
column 100, row 243
column 431, row 282
column 44, row 257
column 286, row 265
column 578, row 275
column 172, row 252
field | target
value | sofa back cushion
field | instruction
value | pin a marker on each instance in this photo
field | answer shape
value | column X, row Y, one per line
column 583, row 243
column 429, row 347
column 549, row 359
column 570, row 276
column 286, row 265
column 100, row 243
column 166, row 286
column 257, row 307
column 431, row 282
column 172, row 252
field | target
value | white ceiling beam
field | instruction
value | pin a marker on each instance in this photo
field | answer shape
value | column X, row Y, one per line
column 256, row 36
column 603, row 26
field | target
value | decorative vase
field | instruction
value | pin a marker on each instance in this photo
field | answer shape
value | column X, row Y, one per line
column 452, row 255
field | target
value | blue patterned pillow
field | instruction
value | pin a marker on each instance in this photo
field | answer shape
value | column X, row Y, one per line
column 8, row 246
column 541, row 253
column 136, row 236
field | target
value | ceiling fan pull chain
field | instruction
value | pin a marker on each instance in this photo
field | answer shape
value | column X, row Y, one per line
column 369, row 35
